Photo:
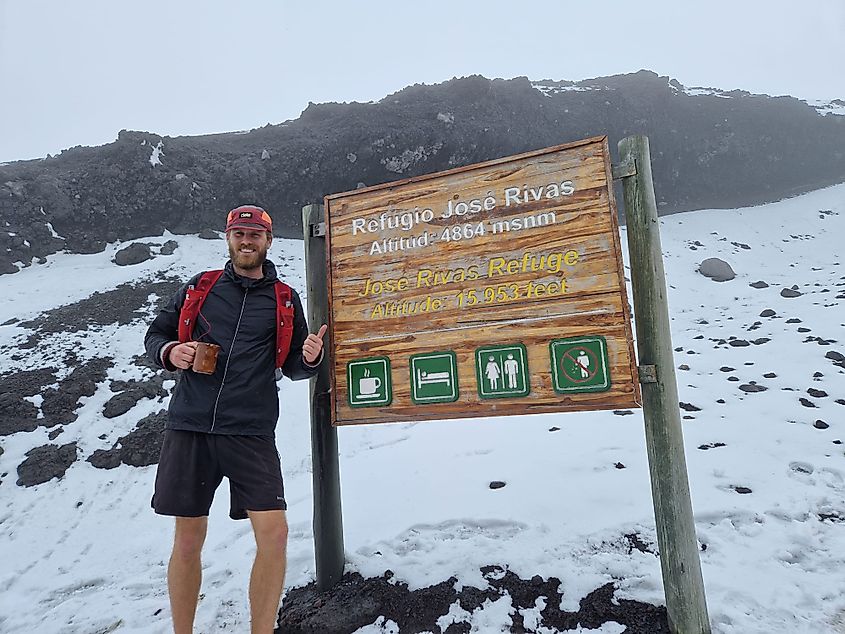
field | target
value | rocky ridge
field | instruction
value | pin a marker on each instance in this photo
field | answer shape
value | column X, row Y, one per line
column 710, row 148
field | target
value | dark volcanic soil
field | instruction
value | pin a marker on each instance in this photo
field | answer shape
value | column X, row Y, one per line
column 356, row 602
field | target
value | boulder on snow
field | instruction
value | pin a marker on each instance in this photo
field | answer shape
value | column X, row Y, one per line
column 45, row 463
column 169, row 247
column 139, row 448
column 716, row 269
column 16, row 414
column 135, row 253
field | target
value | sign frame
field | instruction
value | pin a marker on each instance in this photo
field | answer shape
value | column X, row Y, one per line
column 625, row 390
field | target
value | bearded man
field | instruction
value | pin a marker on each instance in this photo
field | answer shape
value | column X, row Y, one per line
column 222, row 424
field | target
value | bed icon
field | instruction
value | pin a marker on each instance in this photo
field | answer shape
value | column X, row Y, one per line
column 426, row 378
column 434, row 377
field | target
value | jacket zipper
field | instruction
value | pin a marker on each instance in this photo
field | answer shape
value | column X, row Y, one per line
column 228, row 358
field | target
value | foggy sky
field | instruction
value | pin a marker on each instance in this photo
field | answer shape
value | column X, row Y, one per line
column 76, row 72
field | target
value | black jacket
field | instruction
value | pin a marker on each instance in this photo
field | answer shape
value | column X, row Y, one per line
column 239, row 315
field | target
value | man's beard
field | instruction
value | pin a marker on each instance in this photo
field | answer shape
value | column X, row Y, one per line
column 248, row 261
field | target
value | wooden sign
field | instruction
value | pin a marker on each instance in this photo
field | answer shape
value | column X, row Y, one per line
column 488, row 290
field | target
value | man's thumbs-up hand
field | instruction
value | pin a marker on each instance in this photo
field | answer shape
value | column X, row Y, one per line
column 313, row 345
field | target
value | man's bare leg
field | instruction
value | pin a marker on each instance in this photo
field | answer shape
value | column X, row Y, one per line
column 268, row 570
column 184, row 573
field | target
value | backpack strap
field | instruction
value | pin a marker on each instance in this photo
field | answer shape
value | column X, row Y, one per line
column 194, row 298
column 284, row 321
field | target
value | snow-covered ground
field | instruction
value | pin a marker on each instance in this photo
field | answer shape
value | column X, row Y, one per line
column 85, row 554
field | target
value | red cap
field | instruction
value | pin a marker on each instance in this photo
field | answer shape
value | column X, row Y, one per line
column 249, row 217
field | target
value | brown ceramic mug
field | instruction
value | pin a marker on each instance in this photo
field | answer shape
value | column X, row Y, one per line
column 205, row 357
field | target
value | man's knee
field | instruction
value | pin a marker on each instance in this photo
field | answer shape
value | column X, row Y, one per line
column 270, row 528
column 189, row 536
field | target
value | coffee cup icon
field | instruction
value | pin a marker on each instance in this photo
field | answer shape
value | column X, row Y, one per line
column 368, row 386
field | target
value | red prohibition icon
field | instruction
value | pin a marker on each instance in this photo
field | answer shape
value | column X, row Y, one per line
column 583, row 370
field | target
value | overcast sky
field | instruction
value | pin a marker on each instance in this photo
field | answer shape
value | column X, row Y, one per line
column 75, row 72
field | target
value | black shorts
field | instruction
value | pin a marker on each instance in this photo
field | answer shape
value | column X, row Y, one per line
column 193, row 464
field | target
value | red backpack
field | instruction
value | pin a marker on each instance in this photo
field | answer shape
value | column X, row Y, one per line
column 195, row 296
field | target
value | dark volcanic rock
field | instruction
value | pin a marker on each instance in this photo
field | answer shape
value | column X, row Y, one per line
column 135, row 253
column 837, row 357
column 139, row 448
column 789, row 292
column 716, row 269
column 119, row 404
column 752, row 387
column 759, row 284
column 356, row 602
column 121, row 305
column 131, row 392
column 26, row 382
column 60, row 404
column 169, row 247
column 16, row 414
column 91, row 196
column 142, row 446
column 103, row 459
column 768, row 313
column 45, row 463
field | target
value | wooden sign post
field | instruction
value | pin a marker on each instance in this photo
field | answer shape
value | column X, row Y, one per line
column 487, row 290
column 683, row 585
column 325, row 464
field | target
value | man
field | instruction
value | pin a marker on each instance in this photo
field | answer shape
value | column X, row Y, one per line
column 223, row 424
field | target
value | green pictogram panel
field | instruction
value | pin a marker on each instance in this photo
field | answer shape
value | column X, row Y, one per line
column 502, row 371
column 580, row 364
column 434, row 377
column 369, row 382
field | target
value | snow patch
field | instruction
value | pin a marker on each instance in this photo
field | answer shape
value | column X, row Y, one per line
column 381, row 626
column 706, row 92
column 835, row 107
column 157, row 153
column 53, row 231
column 399, row 164
column 550, row 90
